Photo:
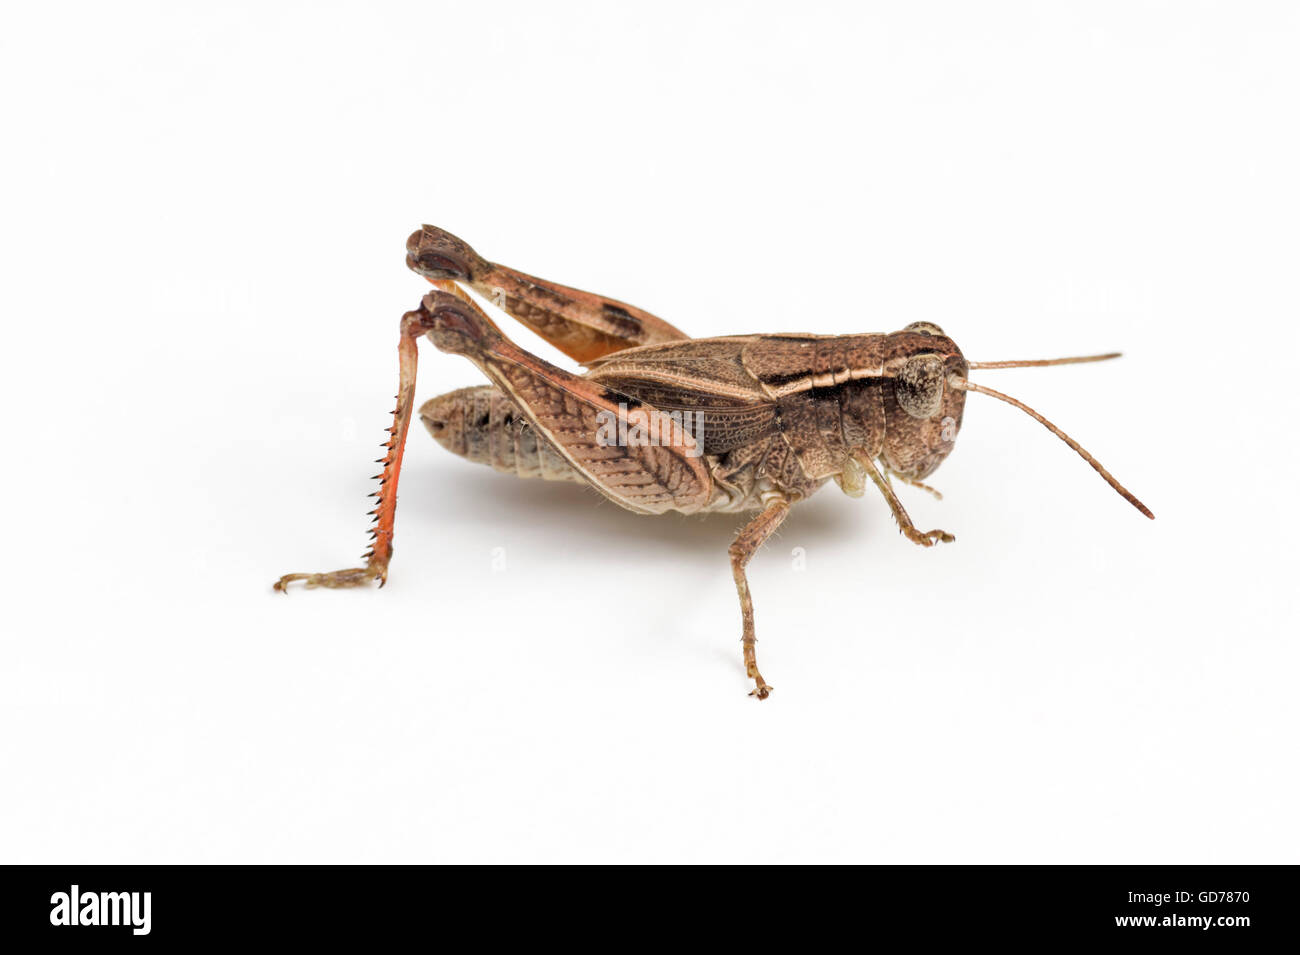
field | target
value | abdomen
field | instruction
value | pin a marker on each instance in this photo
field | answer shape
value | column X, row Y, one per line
column 483, row 425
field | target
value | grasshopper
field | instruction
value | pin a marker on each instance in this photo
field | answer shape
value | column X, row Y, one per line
column 663, row 422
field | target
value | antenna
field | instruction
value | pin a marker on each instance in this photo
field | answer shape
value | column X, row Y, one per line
column 963, row 384
column 1044, row 362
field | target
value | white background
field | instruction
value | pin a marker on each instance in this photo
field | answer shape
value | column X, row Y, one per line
column 204, row 210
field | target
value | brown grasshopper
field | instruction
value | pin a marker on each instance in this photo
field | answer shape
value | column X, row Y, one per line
column 663, row 422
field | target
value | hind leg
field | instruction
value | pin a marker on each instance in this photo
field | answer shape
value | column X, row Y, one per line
column 568, row 410
column 571, row 412
column 413, row 325
column 583, row 325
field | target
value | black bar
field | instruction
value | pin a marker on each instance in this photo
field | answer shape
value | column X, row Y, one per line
column 385, row 905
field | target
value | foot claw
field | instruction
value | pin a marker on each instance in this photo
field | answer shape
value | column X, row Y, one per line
column 352, row 577
column 761, row 691
column 930, row 538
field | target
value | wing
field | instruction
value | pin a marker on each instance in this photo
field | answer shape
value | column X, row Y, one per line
column 706, row 377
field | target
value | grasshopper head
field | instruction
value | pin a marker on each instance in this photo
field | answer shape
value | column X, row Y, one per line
column 922, row 412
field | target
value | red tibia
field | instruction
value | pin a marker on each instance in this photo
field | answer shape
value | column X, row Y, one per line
column 381, row 548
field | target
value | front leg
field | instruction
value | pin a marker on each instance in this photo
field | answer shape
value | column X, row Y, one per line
column 924, row 538
column 913, row 483
column 751, row 537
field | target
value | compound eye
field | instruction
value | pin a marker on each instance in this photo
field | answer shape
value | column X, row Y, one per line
column 919, row 386
column 924, row 328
